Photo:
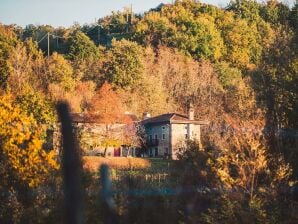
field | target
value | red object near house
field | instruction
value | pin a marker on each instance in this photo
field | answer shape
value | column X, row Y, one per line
column 117, row 152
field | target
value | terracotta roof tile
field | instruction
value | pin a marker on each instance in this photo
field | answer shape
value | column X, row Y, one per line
column 89, row 118
column 172, row 118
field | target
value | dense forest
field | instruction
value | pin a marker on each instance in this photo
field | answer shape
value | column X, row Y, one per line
column 238, row 65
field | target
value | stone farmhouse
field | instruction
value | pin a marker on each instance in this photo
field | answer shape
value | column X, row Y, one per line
column 166, row 132
column 92, row 135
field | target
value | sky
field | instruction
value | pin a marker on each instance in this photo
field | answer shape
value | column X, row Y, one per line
column 66, row 12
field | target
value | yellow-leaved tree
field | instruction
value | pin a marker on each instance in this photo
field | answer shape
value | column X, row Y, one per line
column 246, row 163
column 22, row 157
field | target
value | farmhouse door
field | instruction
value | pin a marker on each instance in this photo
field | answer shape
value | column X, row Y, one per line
column 156, row 152
column 116, row 152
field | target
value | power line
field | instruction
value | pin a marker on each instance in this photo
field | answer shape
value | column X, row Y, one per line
column 91, row 29
column 54, row 36
column 42, row 38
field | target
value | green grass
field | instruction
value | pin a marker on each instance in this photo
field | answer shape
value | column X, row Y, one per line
column 155, row 174
column 159, row 168
column 158, row 165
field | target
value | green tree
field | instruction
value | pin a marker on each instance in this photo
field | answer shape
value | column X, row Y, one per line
column 81, row 48
column 199, row 37
column 227, row 75
column 8, row 41
column 294, row 17
column 35, row 104
column 117, row 22
column 242, row 42
column 37, row 33
column 60, row 71
column 245, row 9
column 181, row 27
column 123, row 67
column 153, row 29
column 275, row 12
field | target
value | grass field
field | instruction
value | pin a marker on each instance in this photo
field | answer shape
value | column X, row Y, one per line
column 158, row 165
column 92, row 163
column 147, row 172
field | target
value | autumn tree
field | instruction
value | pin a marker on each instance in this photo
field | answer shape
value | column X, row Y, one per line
column 186, row 79
column 36, row 104
column 25, row 166
column 19, row 67
column 178, row 27
column 8, row 41
column 107, row 109
column 276, row 84
column 78, row 97
column 24, row 64
column 154, row 29
column 241, row 40
column 193, row 170
column 22, row 156
column 149, row 93
column 60, row 71
column 227, row 75
column 26, row 67
column 197, row 36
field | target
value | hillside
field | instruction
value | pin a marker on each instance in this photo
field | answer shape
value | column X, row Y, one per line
column 238, row 66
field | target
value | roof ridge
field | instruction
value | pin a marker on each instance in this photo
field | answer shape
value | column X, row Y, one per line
column 172, row 115
column 182, row 115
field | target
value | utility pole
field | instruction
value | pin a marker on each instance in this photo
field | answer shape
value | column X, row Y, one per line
column 48, row 44
column 131, row 15
column 98, row 34
column 57, row 41
column 127, row 20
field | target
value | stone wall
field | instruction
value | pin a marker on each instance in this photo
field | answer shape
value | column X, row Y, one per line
column 162, row 133
column 182, row 132
column 91, row 136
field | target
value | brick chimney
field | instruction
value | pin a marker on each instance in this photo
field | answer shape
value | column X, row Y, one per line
column 191, row 112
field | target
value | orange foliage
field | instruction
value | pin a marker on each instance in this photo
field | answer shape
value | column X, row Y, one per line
column 107, row 107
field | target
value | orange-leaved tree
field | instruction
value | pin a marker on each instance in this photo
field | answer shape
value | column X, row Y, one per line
column 106, row 108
